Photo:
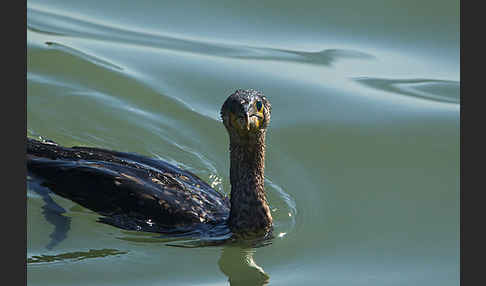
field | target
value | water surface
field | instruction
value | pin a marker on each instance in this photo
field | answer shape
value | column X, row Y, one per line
column 363, row 149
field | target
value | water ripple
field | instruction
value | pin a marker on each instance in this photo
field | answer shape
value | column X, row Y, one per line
column 93, row 59
column 285, row 220
column 60, row 25
column 431, row 89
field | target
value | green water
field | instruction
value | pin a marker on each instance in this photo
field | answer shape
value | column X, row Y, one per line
column 363, row 149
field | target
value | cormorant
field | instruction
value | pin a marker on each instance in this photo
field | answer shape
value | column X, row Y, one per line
column 134, row 192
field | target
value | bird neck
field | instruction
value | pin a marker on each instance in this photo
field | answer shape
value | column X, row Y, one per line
column 249, row 213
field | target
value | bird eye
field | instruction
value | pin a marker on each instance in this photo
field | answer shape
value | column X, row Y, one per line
column 259, row 106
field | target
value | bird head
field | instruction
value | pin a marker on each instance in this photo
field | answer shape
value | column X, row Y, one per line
column 246, row 113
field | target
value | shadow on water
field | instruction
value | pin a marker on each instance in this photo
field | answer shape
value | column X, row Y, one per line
column 237, row 263
column 60, row 25
column 76, row 255
column 53, row 213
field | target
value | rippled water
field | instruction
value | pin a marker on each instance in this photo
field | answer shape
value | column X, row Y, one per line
column 362, row 169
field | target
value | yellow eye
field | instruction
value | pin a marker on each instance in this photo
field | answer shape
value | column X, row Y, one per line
column 259, row 106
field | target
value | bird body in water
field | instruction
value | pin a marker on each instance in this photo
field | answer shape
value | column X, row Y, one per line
column 134, row 192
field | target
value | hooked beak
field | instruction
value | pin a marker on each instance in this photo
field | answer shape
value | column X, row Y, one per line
column 247, row 121
column 244, row 122
column 253, row 121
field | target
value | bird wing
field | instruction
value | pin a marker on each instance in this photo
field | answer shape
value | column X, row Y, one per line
column 116, row 183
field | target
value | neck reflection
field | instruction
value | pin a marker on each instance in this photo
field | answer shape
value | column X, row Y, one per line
column 237, row 264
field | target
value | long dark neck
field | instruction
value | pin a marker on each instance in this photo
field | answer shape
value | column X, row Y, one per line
column 249, row 209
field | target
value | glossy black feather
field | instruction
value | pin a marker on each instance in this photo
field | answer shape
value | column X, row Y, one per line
column 130, row 191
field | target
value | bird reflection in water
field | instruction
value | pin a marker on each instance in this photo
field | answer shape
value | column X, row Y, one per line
column 237, row 264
